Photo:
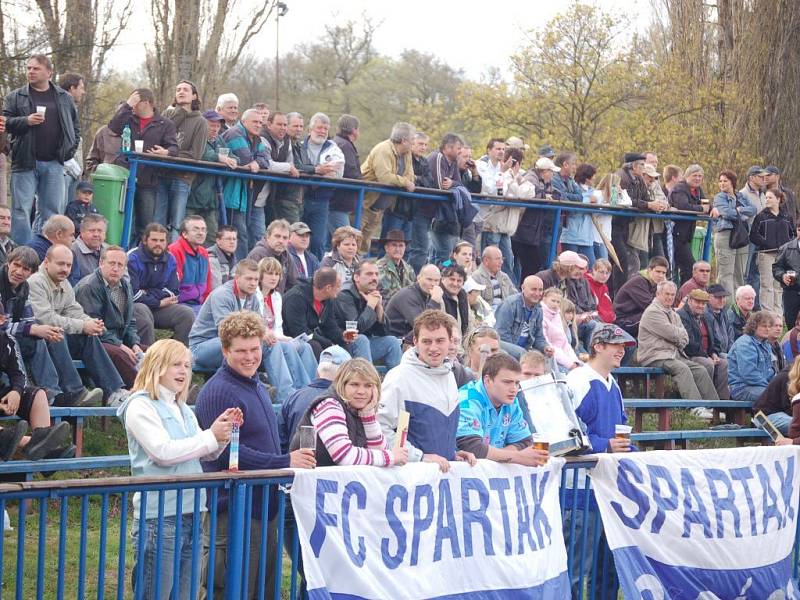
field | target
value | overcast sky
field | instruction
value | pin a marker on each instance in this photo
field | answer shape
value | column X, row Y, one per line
column 472, row 35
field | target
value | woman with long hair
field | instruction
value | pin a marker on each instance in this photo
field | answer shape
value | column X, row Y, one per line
column 164, row 438
column 344, row 420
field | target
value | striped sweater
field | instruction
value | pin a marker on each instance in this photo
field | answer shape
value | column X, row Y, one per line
column 330, row 424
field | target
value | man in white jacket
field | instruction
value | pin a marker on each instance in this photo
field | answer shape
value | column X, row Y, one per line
column 423, row 384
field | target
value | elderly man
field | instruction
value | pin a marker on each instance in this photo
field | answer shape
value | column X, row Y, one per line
column 636, row 295
column 305, row 263
column 90, row 243
column 236, row 385
column 204, row 195
column 395, row 273
column 362, row 303
column 160, row 138
column 344, row 202
column 42, row 141
column 744, row 300
column 274, row 244
column 420, row 223
column 325, row 158
column 701, row 275
column 6, row 243
column 43, row 348
column 228, row 107
column 53, row 302
column 106, row 296
column 662, row 343
column 651, row 177
column 519, row 320
column 247, row 146
column 58, row 229
column 719, row 317
column 388, row 163
column 408, row 303
column 498, row 285
column 153, row 275
column 703, row 347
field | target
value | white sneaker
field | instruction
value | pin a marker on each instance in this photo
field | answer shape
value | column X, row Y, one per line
column 118, row 397
column 703, row 413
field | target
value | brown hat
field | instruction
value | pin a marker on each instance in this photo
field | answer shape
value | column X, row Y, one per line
column 395, row 235
column 699, row 295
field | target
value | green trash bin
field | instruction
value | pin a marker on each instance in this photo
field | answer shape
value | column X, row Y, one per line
column 698, row 241
column 110, row 184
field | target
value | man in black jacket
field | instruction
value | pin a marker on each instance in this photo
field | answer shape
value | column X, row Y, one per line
column 308, row 304
column 703, row 348
column 343, row 202
column 786, row 269
column 362, row 304
column 43, row 129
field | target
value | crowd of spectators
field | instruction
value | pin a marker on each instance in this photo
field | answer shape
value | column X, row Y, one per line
column 260, row 282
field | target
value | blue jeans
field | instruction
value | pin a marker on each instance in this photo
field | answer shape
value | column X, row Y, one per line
column 170, row 207
column 748, row 393
column 301, row 360
column 89, row 349
column 144, row 210
column 70, row 186
column 377, row 347
column 336, row 219
column 782, row 421
column 418, row 253
column 50, row 365
column 587, row 251
column 585, row 331
column 600, row 251
column 315, row 215
column 503, row 242
column 169, row 548
column 45, row 183
column 442, row 245
column 208, row 355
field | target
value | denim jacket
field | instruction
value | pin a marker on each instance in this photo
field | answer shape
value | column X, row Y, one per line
column 749, row 363
column 511, row 317
column 727, row 205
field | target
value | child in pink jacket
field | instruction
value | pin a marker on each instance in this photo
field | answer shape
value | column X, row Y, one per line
column 554, row 333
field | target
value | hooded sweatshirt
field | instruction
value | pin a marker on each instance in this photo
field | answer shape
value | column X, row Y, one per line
column 430, row 395
column 192, row 133
column 556, row 336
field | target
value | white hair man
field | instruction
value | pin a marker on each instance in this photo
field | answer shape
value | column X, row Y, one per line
column 228, row 107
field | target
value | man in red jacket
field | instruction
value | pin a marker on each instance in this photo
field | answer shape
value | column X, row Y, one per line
column 193, row 266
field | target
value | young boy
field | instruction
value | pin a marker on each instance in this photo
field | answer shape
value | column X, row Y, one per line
column 82, row 205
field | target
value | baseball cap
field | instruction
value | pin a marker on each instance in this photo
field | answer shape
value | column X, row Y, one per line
column 717, row 290
column 544, row 163
column 608, row 333
column 699, row 295
column 471, row 285
column 515, row 142
column 651, row 170
column 334, row 354
column 84, row 186
column 755, row 170
column 300, row 228
column 547, row 151
column 570, row 258
column 773, row 170
column 632, row 157
column 212, row 115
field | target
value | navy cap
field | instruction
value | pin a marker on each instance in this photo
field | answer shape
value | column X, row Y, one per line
column 773, row 170
column 84, row 186
column 755, row 170
column 717, row 290
column 547, row 150
column 632, row 157
column 212, row 115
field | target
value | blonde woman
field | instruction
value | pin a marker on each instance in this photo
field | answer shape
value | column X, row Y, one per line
column 348, row 432
column 295, row 351
column 343, row 256
column 165, row 439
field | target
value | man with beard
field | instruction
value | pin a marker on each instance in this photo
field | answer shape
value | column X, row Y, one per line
column 154, row 281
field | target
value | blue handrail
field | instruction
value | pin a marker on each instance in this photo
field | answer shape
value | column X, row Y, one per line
column 362, row 187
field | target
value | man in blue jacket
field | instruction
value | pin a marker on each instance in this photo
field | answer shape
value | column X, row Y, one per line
column 519, row 320
column 42, row 124
column 154, row 281
column 236, row 385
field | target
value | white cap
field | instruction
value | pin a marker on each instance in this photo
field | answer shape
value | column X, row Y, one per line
column 545, row 163
column 471, row 285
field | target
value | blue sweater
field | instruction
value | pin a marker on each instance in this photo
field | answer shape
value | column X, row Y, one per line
column 259, row 446
column 152, row 279
column 295, row 406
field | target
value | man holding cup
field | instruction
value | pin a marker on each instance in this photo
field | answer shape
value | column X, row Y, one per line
column 43, row 129
column 785, row 270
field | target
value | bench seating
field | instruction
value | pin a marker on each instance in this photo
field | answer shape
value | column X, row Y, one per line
column 656, row 374
column 736, row 411
column 669, row 440
column 86, row 463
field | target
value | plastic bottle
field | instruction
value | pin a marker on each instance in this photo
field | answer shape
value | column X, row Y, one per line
column 233, row 465
column 126, row 139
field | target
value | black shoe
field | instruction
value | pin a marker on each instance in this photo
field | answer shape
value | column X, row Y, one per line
column 47, row 439
column 66, row 452
column 86, row 398
column 10, row 437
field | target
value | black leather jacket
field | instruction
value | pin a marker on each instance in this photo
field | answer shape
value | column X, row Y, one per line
column 18, row 105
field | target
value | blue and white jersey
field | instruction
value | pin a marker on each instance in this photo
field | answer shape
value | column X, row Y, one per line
column 496, row 427
column 598, row 403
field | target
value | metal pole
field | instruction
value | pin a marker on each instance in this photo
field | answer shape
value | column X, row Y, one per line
column 554, row 241
column 359, row 209
column 127, row 219
column 236, row 525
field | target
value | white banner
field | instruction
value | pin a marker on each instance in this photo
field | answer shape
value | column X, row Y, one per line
column 701, row 524
column 491, row 531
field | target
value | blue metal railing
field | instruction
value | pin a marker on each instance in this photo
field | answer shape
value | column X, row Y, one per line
column 362, row 187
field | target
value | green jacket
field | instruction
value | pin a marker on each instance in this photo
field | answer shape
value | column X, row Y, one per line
column 393, row 279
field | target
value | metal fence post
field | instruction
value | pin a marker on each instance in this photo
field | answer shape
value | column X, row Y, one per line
column 127, row 219
column 359, row 209
column 707, row 240
column 556, row 235
column 233, row 570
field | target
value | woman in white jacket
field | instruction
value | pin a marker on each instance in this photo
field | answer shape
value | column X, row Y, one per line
column 270, row 272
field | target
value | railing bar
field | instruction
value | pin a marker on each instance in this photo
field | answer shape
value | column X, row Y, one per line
column 177, row 546
column 123, row 545
column 62, row 544
column 3, row 546
column 40, row 584
column 159, row 540
column 82, row 547
column 21, row 550
column 248, row 514
column 262, row 554
column 279, row 543
column 212, row 540
column 139, row 586
column 197, row 542
column 101, row 561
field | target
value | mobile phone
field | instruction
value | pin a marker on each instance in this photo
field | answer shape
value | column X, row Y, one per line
column 761, row 420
